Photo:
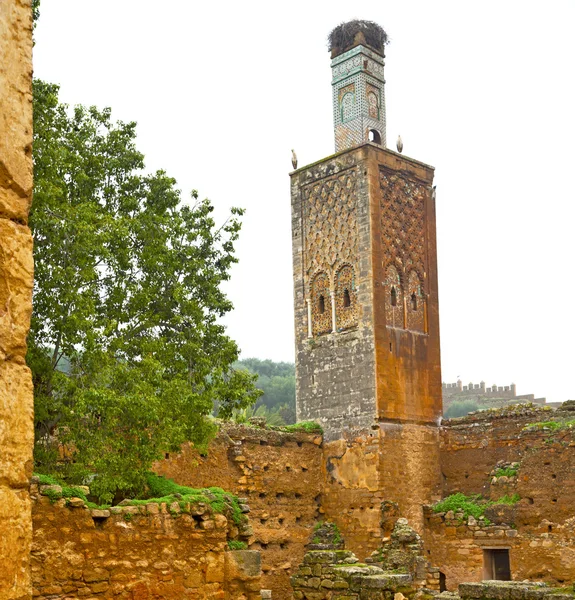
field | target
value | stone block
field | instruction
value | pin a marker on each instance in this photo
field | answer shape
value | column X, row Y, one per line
column 16, row 280
column 15, row 541
column 242, row 564
column 16, row 418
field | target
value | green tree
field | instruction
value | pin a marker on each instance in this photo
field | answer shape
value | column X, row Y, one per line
column 126, row 349
column 277, row 382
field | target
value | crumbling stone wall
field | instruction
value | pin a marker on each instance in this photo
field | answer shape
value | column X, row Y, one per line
column 456, row 544
column 472, row 446
column 396, row 462
column 279, row 474
column 137, row 552
column 538, row 529
column 16, row 274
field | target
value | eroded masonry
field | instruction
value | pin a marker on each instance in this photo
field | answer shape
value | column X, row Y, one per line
column 16, row 272
column 384, row 501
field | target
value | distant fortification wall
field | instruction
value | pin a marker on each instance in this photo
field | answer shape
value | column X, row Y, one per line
column 16, row 274
column 453, row 392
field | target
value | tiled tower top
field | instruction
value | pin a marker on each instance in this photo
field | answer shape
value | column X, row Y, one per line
column 357, row 52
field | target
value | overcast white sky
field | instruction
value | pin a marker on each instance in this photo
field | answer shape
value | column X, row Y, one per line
column 484, row 91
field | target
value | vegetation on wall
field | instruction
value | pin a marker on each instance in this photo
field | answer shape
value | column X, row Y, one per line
column 471, row 506
column 126, row 349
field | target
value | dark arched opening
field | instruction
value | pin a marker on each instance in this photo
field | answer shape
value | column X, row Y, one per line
column 321, row 306
column 346, row 299
column 374, row 136
column 414, row 301
column 393, row 296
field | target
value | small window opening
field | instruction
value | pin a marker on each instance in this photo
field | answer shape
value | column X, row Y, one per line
column 393, row 296
column 321, row 305
column 442, row 582
column 346, row 299
column 413, row 301
column 374, row 136
column 496, row 564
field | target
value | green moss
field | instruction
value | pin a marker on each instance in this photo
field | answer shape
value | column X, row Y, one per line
column 469, row 505
column 165, row 490
column 506, row 472
column 306, row 426
column 553, row 425
column 47, row 479
column 236, row 545
column 508, row 499
column 128, row 517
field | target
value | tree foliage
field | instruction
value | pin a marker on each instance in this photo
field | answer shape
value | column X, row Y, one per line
column 460, row 408
column 126, row 348
column 277, row 382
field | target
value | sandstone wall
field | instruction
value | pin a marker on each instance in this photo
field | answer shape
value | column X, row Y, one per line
column 397, row 463
column 471, row 448
column 136, row 553
column 16, row 273
column 280, row 476
column 539, row 528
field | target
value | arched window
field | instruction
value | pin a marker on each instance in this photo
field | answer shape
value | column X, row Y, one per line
column 373, row 105
column 374, row 136
column 415, row 316
column 394, row 311
column 347, row 102
column 345, row 298
column 320, row 307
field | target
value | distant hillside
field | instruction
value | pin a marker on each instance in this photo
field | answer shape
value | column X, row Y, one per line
column 277, row 380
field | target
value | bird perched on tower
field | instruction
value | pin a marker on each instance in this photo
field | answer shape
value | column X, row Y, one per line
column 399, row 144
column 293, row 159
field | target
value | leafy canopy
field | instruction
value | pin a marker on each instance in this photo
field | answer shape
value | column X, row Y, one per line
column 126, row 349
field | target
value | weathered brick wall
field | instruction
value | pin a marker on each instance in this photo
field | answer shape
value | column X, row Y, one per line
column 16, row 273
column 471, row 446
column 279, row 474
column 455, row 545
column 136, row 553
column 543, row 553
column 541, row 541
column 397, row 463
column 352, row 496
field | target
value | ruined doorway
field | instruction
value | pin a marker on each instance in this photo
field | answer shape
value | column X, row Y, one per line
column 496, row 564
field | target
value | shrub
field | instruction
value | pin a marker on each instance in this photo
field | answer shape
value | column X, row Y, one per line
column 306, row 426
column 468, row 505
column 460, row 408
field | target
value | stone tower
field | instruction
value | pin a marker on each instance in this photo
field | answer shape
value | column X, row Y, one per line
column 358, row 86
column 365, row 277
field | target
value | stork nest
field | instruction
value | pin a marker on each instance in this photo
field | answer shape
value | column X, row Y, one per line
column 343, row 36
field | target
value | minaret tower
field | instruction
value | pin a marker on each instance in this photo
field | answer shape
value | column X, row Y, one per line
column 365, row 290
column 358, row 84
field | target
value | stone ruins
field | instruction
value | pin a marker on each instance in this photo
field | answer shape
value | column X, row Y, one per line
column 385, row 503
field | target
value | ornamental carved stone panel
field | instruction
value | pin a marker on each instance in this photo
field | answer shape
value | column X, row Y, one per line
column 402, row 216
column 330, row 242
